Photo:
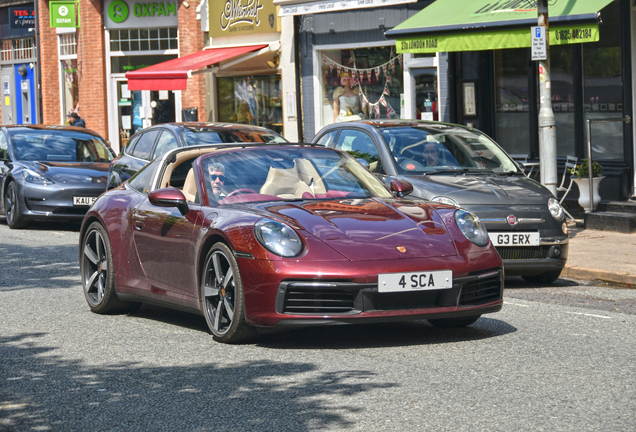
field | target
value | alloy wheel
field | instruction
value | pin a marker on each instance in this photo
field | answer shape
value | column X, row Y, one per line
column 219, row 293
column 95, row 267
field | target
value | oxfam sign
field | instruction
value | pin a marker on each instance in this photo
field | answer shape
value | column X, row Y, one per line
column 140, row 14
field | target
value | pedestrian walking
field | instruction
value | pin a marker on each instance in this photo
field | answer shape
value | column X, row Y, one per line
column 75, row 120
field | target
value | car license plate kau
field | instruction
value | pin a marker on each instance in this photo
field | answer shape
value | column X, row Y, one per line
column 416, row 281
column 84, row 201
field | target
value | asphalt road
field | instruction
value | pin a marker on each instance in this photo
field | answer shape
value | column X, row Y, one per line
column 558, row 358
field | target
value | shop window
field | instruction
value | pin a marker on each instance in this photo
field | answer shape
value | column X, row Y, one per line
column 18, row 49
column 561, row 74
column 254, row 100
column 512, row 102
column 603, row 86
column 361, row 83
column 70, row 90
column 67, row 51
column 144, row 39
column 426, row 107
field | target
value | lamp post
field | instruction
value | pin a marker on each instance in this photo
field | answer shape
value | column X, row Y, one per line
column 547, row 123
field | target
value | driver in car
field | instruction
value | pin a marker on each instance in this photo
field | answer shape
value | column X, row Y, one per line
column 217, row 178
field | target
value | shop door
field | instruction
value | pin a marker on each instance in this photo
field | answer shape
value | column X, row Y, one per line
column 8, row 116
column 139, row 109
column 426, row 106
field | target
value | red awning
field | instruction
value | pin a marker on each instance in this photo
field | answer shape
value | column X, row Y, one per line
column 173, row 74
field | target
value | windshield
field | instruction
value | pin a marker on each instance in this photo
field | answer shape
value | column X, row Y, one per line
column 61, row 146
column 208, row 135
column 298, row 173
column 428, row 149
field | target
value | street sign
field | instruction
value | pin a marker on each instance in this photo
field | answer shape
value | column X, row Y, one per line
column 64, row 13
column 539, row 43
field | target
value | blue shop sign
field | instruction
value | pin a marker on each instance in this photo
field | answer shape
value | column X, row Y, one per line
column 22, row 17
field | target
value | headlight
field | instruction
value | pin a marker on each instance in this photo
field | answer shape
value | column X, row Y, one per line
column 278, row 238
column 555, row 208
column 445, row 200
column 33, row 177
column 472, row 227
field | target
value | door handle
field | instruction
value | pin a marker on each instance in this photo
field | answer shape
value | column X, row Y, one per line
column 139, row 225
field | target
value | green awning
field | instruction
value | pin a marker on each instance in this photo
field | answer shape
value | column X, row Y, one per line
column 476, row 25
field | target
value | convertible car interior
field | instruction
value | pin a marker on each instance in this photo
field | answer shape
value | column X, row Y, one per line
column 295, row 178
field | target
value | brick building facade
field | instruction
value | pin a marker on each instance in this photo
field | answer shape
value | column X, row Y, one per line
column 97, row 99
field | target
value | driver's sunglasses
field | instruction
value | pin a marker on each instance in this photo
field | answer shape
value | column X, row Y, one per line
column 214, row 177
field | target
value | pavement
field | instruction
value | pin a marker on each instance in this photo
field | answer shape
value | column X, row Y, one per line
column 601, row 256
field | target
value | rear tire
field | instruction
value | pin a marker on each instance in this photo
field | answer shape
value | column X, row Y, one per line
column 12, row 210
column 453, row 322
column 222, row 297
column 543, row 278
column 98, row 274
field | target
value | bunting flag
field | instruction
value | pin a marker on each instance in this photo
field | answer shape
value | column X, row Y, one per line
column 367, row 74
column 377, row 111
column 388, row 79
column 400, row 60
column 330, row 67
column 383, row 102
column 377, row 73
column 390, row 112
column 384, row 69
column 393, row 65
column 338, row 70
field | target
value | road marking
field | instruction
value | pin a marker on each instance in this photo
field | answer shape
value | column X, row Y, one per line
column 516, row 304
column 595, row 316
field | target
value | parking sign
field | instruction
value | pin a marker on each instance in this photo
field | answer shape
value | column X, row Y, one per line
column 539, row 44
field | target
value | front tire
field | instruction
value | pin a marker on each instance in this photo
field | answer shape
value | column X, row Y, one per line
column 222, row 297
column 12, row 210
column 453, row 322
column 98, row 275
column 543, row 278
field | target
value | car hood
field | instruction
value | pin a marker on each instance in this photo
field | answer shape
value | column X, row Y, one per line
column 482, row 189
column 72, row 172
column 371, row 229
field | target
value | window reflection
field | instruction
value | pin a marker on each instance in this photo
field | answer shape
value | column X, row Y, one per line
column 253, row 100
column 512, row 103
column 603, row 86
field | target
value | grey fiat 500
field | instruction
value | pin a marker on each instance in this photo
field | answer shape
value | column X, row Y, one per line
column 461, row 166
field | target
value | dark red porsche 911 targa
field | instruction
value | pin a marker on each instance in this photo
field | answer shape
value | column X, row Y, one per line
column 255, row 237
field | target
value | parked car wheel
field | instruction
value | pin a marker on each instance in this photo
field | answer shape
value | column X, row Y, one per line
column 543, row 278
column 222, row 296
column 453, row 322
column 12, row 208
column 98, row 275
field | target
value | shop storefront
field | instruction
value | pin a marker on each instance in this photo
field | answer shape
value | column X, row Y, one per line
column 248, row 90
column 18, row 62
column 494, row 82
column 140, row 34
column 351, row 71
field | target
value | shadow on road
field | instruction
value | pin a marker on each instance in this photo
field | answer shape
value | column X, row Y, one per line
column 42, row 391
column 49, row 225
column 38, row 267
column 344, row 336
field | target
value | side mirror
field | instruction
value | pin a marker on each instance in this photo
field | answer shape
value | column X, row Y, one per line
column 169, row 197
column 401, row 188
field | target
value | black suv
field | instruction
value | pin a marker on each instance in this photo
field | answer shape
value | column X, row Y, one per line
column 154, row 141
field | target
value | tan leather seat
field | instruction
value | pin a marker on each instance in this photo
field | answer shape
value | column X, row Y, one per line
column 293, row 182
column 190, row 186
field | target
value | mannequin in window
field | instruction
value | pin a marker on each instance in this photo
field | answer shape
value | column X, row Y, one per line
column 346, row 102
